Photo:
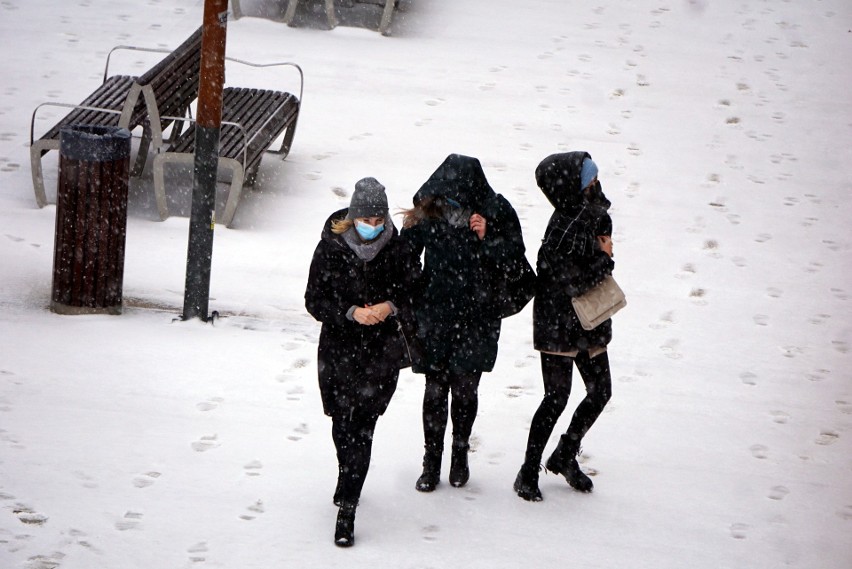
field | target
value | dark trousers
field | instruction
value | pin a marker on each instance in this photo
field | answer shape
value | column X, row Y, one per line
column 556, row 372
column 353, row 440
column 464, row 389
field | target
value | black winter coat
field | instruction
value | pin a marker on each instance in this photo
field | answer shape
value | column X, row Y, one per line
column 570, row 260
column 457, row 326
column 358, row 365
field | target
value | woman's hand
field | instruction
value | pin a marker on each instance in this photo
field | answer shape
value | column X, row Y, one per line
column 372, row 314
column 478, row 225
column 605, row 241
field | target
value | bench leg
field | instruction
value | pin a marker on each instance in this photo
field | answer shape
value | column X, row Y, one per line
column 384, row 27
column 237, row 178
column 291, row 11
column 329, row 14
column 160, row 161
column 36, row 150
column 142, row 154
column 235, row 9
column 287, row 142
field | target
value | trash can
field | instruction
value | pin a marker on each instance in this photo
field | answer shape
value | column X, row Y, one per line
column 91, row 219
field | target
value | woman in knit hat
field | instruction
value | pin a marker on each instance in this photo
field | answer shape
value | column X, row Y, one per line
column 361, row 288
column 575, row 255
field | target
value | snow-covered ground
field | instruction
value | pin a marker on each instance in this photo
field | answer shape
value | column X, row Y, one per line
column 722, row 129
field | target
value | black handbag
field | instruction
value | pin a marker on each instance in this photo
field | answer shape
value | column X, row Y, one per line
column 513, row 290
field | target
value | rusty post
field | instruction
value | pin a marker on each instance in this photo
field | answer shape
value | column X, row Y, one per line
column 202, row 217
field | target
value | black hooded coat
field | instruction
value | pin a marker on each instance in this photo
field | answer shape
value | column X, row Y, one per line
column 457, row 325
column 357, row 363
column 570, row 260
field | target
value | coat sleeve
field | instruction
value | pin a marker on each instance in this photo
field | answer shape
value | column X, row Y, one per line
column 322, row 298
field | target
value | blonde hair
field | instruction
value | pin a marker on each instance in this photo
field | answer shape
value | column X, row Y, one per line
column 342, row 225
column 428, row 208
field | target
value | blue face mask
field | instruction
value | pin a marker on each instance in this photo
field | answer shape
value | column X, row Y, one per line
column 367, row 231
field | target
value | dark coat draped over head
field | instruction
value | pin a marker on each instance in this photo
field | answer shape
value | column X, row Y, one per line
column 456, row 322
column 358, row 364
column 570, row 260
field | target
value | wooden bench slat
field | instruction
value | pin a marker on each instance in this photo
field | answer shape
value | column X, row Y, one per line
column 110, row 95
column 167, row 89
column 264, row 115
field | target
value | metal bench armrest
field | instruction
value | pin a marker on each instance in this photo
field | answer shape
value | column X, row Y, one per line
column 132, row 48
column 277, row 64
column 68, row 106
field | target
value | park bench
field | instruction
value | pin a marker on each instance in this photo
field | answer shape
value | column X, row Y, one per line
column 167, row 89
column 252, row 120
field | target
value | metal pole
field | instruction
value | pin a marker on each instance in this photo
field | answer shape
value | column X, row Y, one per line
column 209, row 121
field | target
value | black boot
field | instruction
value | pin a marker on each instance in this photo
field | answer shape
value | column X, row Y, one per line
column 337, row 499
column 564, row 461
column 344, row 531
column 459, row 470
column 526, row 484
column 431, row 476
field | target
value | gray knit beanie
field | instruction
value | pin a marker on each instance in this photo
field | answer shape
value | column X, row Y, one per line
column 368, row 200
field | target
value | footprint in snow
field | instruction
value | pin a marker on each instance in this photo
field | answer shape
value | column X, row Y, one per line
column 300, row 431
column 196, row 552
column 253, row 468
column 739, row 531
column 145, row 480
column 759, row 451
column 210, row 404
column 205, row 443
column 827, row 437
column 430, row 533
column 131, row 520
column 27, row 515
column 778, row 492
column 748, row 378
column 255, row 509
column 780, row 417
column 761, row 319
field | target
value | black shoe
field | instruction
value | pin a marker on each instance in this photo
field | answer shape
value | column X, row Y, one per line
column 526, row 484
column 564, row 461
column 570, row 469
column 431, row 475
column 344, row 531
column 459, row 470
column 338, row 501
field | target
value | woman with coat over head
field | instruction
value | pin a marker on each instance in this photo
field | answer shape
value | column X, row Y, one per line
column 466, row 231
column 575, row 255
column 362, row 280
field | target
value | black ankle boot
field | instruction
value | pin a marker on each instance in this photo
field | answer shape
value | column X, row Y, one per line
column 337, row 499
column 564, row 461
column 526, row 484
column 459, row 470
column 431, row 476
column 344, row 531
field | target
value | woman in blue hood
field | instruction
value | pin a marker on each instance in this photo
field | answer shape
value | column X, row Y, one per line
column 575, row 255
column 466, row 230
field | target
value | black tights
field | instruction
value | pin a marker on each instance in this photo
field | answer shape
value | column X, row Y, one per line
column 353, row 440
column 465, row 402
column 556, row 372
